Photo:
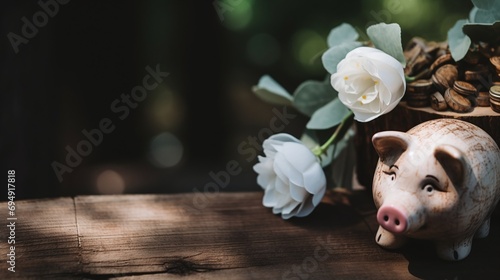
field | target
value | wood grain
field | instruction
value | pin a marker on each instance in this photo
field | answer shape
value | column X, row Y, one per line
column 233, row 237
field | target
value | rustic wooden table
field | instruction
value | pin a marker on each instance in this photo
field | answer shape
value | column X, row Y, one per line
column 231, row 237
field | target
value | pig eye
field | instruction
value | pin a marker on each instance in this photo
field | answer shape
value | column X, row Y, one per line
column 391, row 174
column 429, row 188
column 430, row 184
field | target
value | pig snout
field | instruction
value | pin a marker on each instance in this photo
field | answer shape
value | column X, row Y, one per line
column 392, row 219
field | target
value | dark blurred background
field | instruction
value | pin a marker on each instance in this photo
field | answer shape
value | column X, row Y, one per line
column 84, row 56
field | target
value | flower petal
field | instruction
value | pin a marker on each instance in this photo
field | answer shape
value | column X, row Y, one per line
column 285, row 169
column 282, row 200
column 314, row 179
column 290, row 207
column 318, row 197
column 299, row 156
column 306, row 208
column 269, row 199
column 298, row 193
column 265, row 170
column 281, row 186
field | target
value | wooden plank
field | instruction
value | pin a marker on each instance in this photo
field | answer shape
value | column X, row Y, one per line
column 233, row 237
column 45, row 239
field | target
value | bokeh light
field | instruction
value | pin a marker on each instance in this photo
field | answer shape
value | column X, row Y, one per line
column 236, row 15
column 166, row 109
column 165, row 150
column 110, row 182
column 308, row 46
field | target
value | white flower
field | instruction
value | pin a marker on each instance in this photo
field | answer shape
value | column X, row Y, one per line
column 291, row 176
column 370, row 82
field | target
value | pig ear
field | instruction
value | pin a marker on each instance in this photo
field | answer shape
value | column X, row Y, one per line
column 391, row 144
column 453, row 162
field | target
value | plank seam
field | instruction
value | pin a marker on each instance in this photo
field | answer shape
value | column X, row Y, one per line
column 78, row 235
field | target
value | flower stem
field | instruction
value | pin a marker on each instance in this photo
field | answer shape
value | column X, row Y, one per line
column 338, row 134
column 418, row 76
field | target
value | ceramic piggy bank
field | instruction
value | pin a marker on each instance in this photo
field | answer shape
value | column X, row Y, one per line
column 439, row 181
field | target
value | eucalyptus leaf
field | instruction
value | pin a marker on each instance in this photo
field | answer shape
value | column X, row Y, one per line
column 335, row 54
column 485, row 32
column 458, row 41
column 343, row 33
column 484, row 16
column 387, row 38
column 270, row 91
column 312, row 95
column 486, row 4
column 328, row 116
column 472, row 14
column 485, row 11
column 344, row 161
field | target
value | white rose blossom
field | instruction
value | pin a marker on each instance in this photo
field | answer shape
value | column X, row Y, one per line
column 370, row 82
column 291, row 176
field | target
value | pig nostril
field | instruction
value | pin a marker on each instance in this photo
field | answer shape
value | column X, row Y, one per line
column 396, row 222
column 386, row 218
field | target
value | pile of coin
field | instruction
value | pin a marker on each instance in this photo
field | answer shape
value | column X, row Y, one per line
column 443, row 84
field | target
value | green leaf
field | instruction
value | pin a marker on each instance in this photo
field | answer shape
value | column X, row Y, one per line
column 312, row 95
column 486, row 4
column 458, row 42
column 343, row 33
column 387, row 38
column 334, row 55
column 270, row 91
column 328, row 116
column 485, row 11
column 485, row 32
column 344, row 161
column 484, row 16
column 472, row 14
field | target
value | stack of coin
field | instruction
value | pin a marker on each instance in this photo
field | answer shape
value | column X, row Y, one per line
column 437, row 102
column 460, row 85
column 418, row 93
column 467, row 90
column 464, row 88
column 444, row 77
column 440, row 61
column 495, row 98
column 457, row 102
column 495, row 61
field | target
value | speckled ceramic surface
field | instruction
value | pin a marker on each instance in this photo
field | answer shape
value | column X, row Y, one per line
column 439, row 181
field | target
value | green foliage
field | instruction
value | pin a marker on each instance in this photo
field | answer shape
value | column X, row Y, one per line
column 387, row 38
column 341, row 34
column 482, row 25
column 485, row 11
column 319, row 100
column 341, row 40
column 344, row 161
column 312, row 95
column 328, row 116
column 335, row 54
column 270, row 91
column 458, row 42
